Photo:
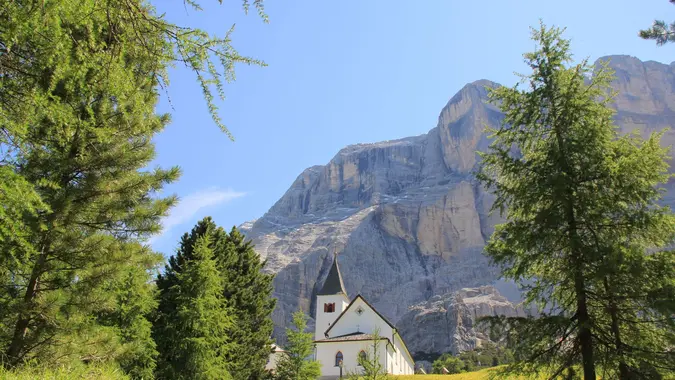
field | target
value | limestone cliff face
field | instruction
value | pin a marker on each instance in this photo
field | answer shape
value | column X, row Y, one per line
column 447, row 323
column 406, row 216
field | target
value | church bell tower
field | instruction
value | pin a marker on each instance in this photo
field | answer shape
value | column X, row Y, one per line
column 331, row 300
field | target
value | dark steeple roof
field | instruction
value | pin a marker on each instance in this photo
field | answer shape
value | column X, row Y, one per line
column 333, row 284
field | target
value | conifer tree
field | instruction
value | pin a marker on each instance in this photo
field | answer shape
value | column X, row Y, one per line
column 245, row 287
column 199, row 324
column 168, row 285
column 296, row 362
column 135, row 301
column 185, row 253
column 249, row 291
column 78, row 90
column 583, row 211
column 660, row 31
column 83, row 158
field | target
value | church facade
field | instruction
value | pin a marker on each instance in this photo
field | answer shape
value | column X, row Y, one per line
column 344, row 330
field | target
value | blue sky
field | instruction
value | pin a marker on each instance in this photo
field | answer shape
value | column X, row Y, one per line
column 346, row 72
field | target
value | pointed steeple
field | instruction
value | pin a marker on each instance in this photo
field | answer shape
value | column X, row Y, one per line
column 333, row 284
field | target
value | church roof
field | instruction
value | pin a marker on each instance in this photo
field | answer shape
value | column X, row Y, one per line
column 333, row 284
column 276, row 348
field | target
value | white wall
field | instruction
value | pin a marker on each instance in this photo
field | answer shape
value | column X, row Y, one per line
column 273, row 360
column 398, row 362
column 394, row 359
column 325, row 355
column 367, row 322
column 405, row 364
column 324, row 320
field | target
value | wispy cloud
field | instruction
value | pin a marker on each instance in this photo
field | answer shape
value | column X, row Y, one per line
column 190, row 205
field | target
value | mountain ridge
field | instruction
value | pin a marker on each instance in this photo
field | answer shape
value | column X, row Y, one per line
column 406, row 215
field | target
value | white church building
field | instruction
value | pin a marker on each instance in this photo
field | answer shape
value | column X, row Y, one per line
column 344, row 330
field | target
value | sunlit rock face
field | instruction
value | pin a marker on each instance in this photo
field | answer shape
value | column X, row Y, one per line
column 406, row 216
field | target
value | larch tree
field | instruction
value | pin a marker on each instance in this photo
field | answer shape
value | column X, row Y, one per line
column 80, row 136
column 582, row 211
column 79, row 83
column 660, row 31
column 295, row 362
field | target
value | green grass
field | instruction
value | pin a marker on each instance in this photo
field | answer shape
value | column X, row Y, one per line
column 483, row 374
column 64, row 373
column 478, row 375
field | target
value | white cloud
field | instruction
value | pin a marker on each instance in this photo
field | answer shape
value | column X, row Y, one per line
column 190, row 205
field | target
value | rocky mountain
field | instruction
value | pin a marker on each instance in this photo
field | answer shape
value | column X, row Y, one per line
column 407, row 217
column 447, row 323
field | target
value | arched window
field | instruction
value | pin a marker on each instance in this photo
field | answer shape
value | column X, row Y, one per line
column 338, row 358
column 362, row 357
column 329, row 307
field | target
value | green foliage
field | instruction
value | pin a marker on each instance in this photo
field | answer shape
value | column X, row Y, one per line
column 486, row 356
column 135, row 301
column 244, row 286
column 18, row 199
column 39, row 50
column 450, row 362
column 200, row 321
column 78, row 90
column 295, row 363
column 582, row 208
column 191, row 333
column 249, row 291
column 83, row 165
column 660, row 31
column 80, row 139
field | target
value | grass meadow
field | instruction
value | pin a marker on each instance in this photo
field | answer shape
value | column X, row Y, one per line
column 478, row 375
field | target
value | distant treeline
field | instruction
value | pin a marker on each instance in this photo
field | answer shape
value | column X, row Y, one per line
column 486, row 356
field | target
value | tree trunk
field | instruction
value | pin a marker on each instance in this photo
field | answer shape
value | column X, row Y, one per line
column 13, row 353
column 585, row 337
column 624, row 373
column 18, row 342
